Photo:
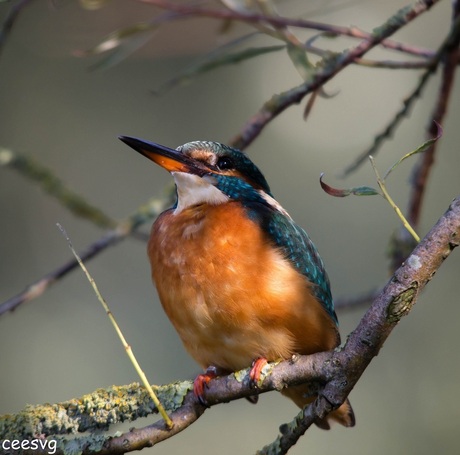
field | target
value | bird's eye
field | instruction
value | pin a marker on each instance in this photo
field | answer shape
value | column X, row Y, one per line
column 224, row 162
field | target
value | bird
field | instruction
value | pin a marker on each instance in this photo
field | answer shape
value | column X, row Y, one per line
column 239, row 280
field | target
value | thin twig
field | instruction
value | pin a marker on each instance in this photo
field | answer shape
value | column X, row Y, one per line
column 345, row 303
column 389, row 129
column 37, row 288
column 422, row 171
column 447, row 48
column 387, row 64
column 390, row 200
column 10, row 20
column 279, row 21
column 401, row 244
column 117, row 328
column 123, row 229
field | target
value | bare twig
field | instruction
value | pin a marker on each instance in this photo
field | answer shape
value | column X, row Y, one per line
column 447, row 48
column 345, row 303
column 388, row 131
column 123, row 229
column 389, row 199
column 388, row 64
column 449, row 54
column 128, row 349
column 421, row 172
column 10, row 20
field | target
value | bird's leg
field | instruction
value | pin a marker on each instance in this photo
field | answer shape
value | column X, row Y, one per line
column 256, row 370
column 201, row 382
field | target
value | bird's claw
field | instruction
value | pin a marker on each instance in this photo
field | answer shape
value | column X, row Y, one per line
column 201, row 383
column 256, row 370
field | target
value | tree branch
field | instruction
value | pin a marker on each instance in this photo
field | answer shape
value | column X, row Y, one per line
column 335, row 373
column 329, row 68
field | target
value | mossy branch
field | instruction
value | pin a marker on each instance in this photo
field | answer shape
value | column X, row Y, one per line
column 92, row 412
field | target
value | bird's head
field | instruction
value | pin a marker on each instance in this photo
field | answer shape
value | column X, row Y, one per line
column 206, row 172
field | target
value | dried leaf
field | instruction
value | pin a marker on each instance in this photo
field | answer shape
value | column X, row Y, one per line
column 309, row 105
column 356, row 191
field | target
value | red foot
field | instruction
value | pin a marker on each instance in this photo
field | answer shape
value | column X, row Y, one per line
column 256, row 370
column 201, row 382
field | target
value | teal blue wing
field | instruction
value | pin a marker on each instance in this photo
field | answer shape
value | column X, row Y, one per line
column 298, row 249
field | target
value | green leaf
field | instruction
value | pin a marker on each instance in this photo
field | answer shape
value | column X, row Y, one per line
column 300, row 60
column 364, row 191
column 344, row 192
column 422, row 148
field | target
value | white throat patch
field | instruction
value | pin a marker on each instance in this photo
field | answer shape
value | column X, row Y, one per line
column 194, row 190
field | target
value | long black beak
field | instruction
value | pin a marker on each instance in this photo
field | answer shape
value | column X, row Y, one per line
column 170, row 159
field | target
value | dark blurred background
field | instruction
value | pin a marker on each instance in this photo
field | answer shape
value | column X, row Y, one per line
column 67, row 117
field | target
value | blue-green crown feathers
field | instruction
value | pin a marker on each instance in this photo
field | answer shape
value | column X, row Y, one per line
column 235, row 159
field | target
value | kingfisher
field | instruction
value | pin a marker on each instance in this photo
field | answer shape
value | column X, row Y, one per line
column 240, row 281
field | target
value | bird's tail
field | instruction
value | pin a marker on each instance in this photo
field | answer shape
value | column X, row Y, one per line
column 343, row 415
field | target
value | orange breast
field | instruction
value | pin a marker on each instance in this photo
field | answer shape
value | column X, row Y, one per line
column 230, row 295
